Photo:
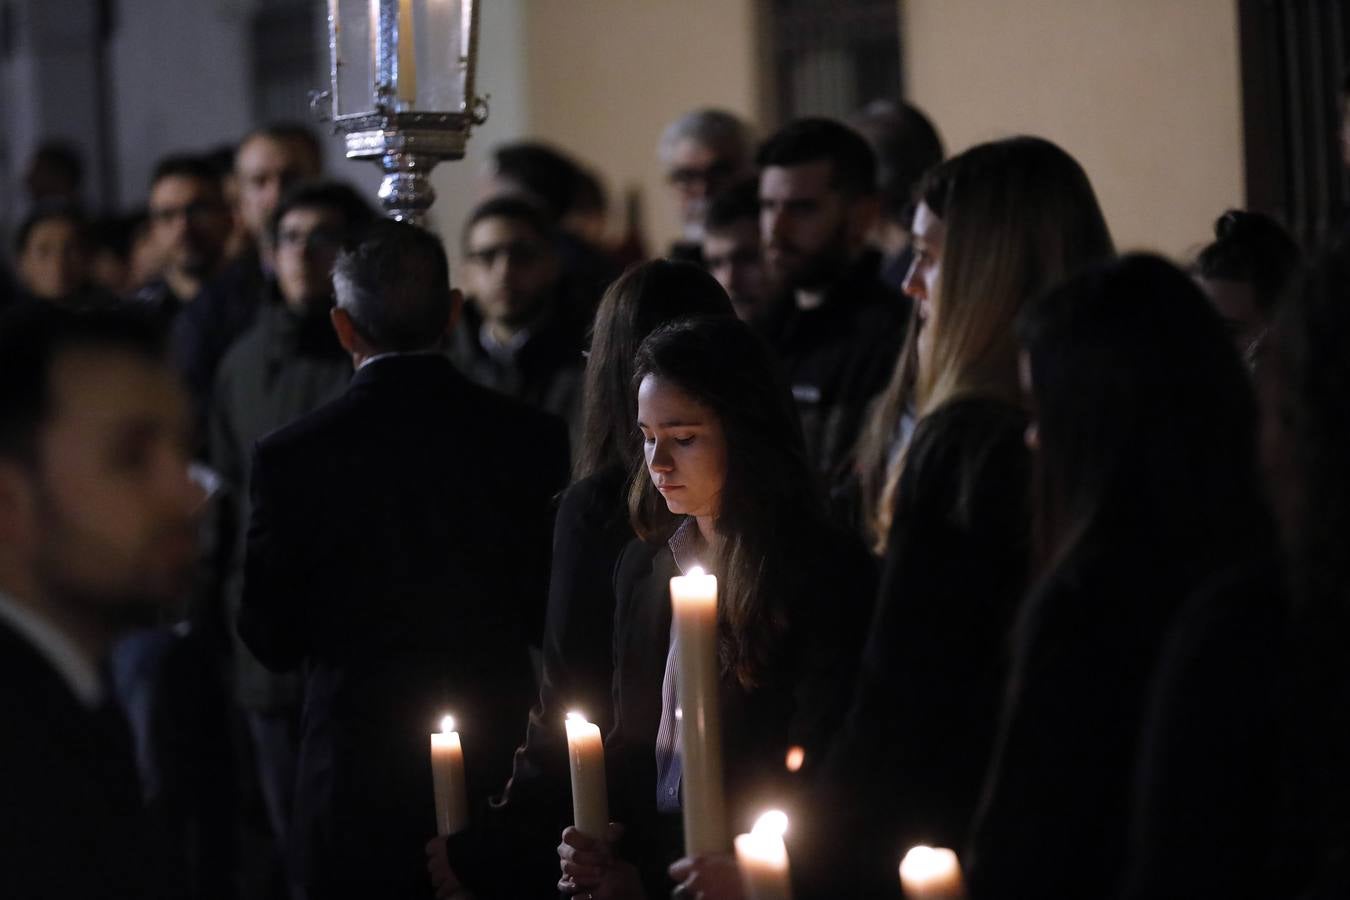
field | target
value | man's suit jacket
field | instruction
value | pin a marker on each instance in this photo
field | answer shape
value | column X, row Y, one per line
column 72, row 820
column 399, row 547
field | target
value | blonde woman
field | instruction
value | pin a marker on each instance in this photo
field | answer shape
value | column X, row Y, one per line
column 1016, row 216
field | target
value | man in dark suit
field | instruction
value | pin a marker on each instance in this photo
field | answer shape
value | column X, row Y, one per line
column 97, row 515
column 398, row 547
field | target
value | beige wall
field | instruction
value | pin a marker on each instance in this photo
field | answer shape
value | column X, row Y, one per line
column 1145, row 93
column 606, row 75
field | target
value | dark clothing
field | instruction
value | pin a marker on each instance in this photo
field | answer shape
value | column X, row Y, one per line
column 512, row 855
column 908, row 766
column 1204, row 783
column 160, row 302
column 205, row 329
column 74, row 823
column 1064, row 775
column 545, row 371
column 838, row 357
column 799, row 701
column 284, row 366
column 399, row 546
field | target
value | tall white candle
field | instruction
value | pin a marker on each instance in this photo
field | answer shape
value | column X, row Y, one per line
column 762, row 859
column 407, row 56
column 590, row 798
column 447, row 779
column 931, row 873
column 693, row 599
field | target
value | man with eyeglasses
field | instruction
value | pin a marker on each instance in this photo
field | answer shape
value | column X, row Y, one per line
column 705, row 152
column 287, row 363
column 515, row 337
column 189, row 226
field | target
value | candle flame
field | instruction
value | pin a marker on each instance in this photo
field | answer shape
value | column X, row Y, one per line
column 576, row 717
column 447, row 724
column 774, row 822
column 923, row 863
column 796, row 758
column 696, row 572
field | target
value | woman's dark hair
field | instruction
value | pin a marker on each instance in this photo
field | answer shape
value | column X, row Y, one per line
column 49, row 212
column 1145, row 417
column 644, row 297
column 1253, row 248
column 769, row 497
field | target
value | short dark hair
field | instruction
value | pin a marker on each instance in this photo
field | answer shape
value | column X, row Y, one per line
column 1253, row 248
column 516, row 208
column 183, row 165
column 906, row 145
column 48, row 212
column 288, row 133
column 33, row 336
column 61, row 155
column 395, row 286
column 356, row 213
column 544, row 172
column 735, row 204
column 853, row 165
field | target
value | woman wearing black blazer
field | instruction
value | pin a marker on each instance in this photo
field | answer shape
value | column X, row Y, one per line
column 726, row 486
column 509, row 851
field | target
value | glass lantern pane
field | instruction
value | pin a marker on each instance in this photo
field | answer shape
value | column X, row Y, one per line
column 355, row 55
column 441, row 27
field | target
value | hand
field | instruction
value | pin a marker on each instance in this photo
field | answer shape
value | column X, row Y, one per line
column 443, row 878
column 590, row 869
column 707, row 878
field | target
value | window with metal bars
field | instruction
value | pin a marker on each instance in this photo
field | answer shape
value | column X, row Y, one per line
column 832, row 56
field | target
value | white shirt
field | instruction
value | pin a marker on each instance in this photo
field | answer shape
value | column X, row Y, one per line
column 79, row 672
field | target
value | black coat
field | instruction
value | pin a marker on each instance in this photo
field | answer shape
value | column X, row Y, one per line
column 399, row 547
column 800, row 701
column 513, row 853
column 73, row 821
column 909, row 763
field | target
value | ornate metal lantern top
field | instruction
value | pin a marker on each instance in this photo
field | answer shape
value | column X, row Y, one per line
column 402, row 89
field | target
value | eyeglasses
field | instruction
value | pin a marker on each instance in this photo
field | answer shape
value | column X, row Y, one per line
column 689, row 176
column 515, row 252
column 318, row 239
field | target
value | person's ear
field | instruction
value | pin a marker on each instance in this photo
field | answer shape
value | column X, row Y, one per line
column 456, row 308
column 345, row 328
column 18, row 501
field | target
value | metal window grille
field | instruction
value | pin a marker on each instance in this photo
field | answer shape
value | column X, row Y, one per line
column 832, row 56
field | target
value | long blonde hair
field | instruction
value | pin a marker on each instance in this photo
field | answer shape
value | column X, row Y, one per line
column 1020, row 215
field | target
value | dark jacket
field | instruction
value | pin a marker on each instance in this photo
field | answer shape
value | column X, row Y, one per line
column 838, row 357
column 281, row 368
column 511, row 853
column 800, row 701
column 399, row 546
column 1066, row 780
column 73, row 822
column 544, row 372
column 908, row 765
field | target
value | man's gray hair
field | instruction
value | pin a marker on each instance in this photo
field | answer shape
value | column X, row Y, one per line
column 395, row 286
column 724, row 133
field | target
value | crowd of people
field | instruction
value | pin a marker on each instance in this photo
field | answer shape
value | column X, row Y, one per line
column 1025, row 548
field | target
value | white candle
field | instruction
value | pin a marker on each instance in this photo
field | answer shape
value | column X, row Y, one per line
column 931, row 873
column 762, row 859
column 447, row 779
column 693, row 599
column 407, row 57
column 590, row 799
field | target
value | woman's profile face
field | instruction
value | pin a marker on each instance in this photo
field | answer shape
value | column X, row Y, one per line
column 684, row 446
column 921, row 281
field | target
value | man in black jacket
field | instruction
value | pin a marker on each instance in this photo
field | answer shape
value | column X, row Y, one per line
column 97, row 516
column 837, row 326
column 398, row 547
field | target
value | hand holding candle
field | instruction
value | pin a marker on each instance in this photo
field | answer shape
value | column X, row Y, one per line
column 762, row 858
column 931, row 873
column 590, row 798
column 447, row 779
column 693, row 600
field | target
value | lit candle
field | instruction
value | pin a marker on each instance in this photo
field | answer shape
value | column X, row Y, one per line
column 407, row 57
column 796, row 758
column 931, row 873
column 762, row 859
column 590, row 800
column 693, row 599
column 447, row 779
